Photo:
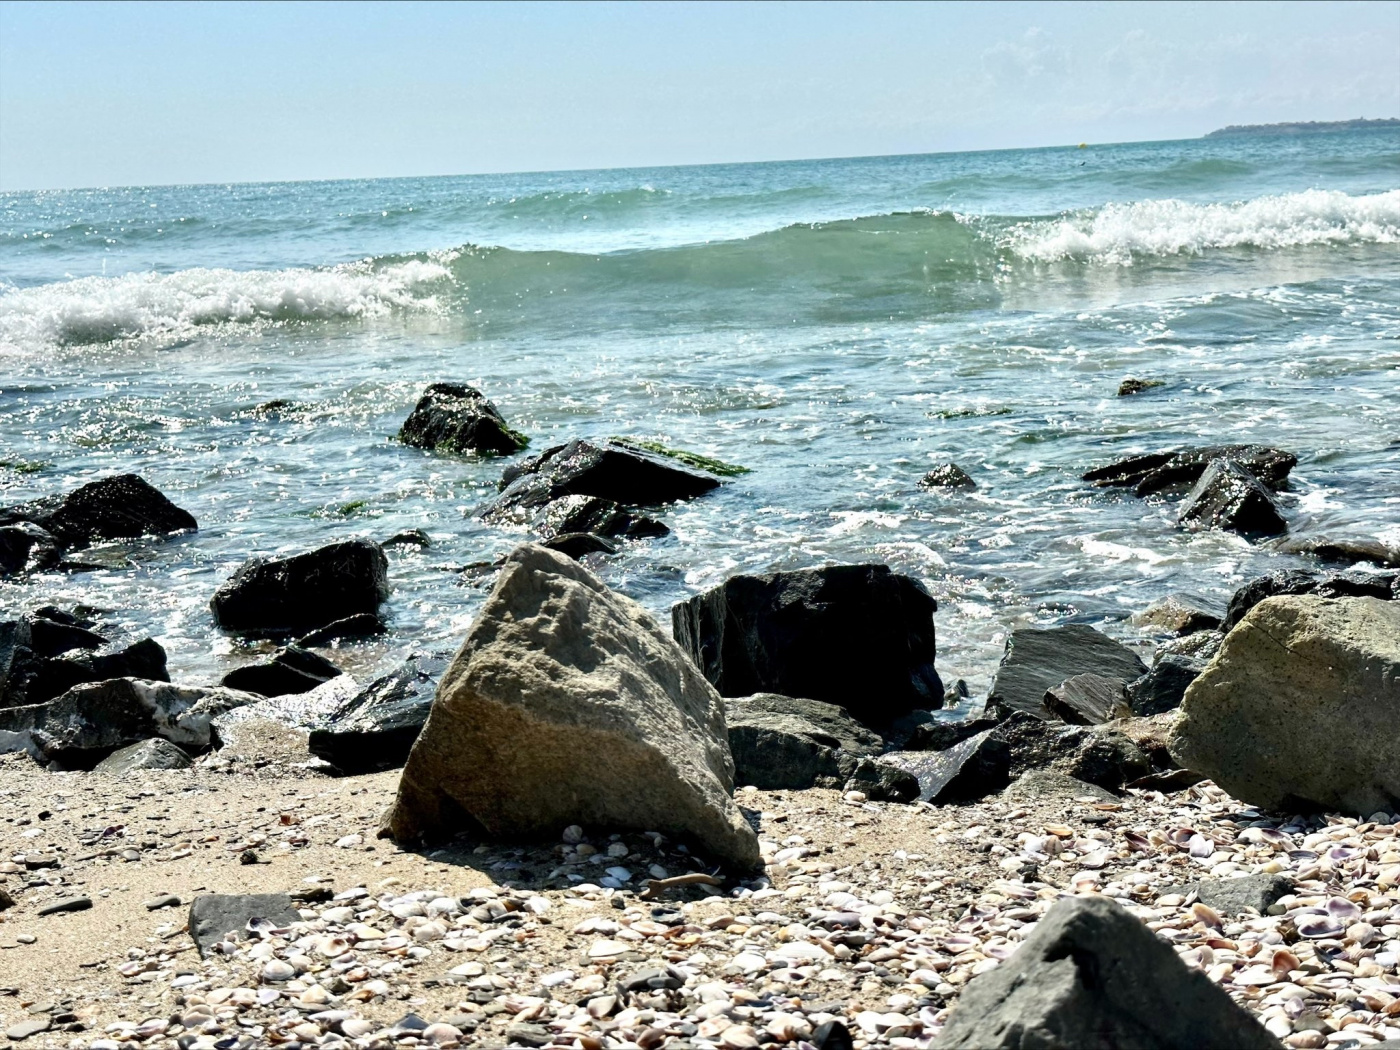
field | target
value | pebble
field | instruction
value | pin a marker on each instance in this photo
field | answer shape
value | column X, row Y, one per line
column 166, row 900
column 68, row 904
column 25, row 1029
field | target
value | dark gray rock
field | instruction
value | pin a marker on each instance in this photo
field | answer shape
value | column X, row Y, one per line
column 1087, row 699
column 34, row 679
column 578, row 544
column 939, row 735
column 409, row 538
column 155, row 753
column 1163, row 470
column 1162, row 688
column 1343, row 551
column 291, row 670
column 15, row 654
column 453, row 417
column 304, row 592
column 1178, row 614
column 377, row 727
column 947, row 476
column 51, row 638
column 859, row 636
column 1354, row 583
column 589, row 514
column 115, row 508
column 1257, row 893
column 215, row 916
column 1230, row 498
column 782, row 743
column 25, row 547
column 361, row 625
column 975, row 768
column 1098, row 755
column 1127, row 471
column 1049, row 783
column 67, row 904
column 883, row 782
column 1131, row 386
column 1092, row 977
column 1038, row 659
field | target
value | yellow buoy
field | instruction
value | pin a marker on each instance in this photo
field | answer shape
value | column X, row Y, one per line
column 1083, row 145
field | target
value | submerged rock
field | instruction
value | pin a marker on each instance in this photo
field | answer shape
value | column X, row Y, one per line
column 947, row 476
column 1131, row 386
column 578, row 544
column 1164, row 470
column 572, row 515
column 1091, row 976
column 122, row 507
column 1178, row 614
column 1343, row 551
column 568, row 704
column 291, row 669
column 376, row 728
column 453, row 417
column 155, row 753
column 783, row 743
column 1039, row 659
column 1299, row 707
column 361, row 625
column 303, row 592
column 859, row 636
column 1228, row 497
column 883, row 781
column 25, row 547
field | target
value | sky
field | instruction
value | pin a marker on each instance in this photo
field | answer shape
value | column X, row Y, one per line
column 115, row 94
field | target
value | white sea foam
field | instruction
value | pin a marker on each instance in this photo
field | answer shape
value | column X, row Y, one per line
column 100, row 309
column 1117, row 233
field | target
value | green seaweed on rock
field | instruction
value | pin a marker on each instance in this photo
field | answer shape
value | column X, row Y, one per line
column 690, row 459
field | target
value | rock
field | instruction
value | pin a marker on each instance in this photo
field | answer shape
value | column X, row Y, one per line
column 783, row 743
column 1257, row 893
column 34, row 679
column 883, row 782
column 6, row 901
column 215, row 916
column 568, row 704
column 25, row 547
column 15, row 653
column 589, row 514
column 1199, row 646
column 1178, row 614
column 292, row 669
column 1048, row 783
column 1162, row 470
column 304, row 592
column 947, row 476
column 1100, row 755
column 975, row 768
column 115, row 508
column 1038, row 659
column 524, row 1034
column 52, row 637
column 1300, row 706
column 409, row 538
column 859, row 636
column 577, row 544
column 1228, row 497
column 452, row 417
column 939, row 736
column 67, row 904
column 165, row 900
column 1130, row 386
column 89, row 722
column 833, row 1035
column 361, row 625
column 1087, row 699
column 1352, row 584
column 155, row 753
column 30, row 1026
column 1163, row 687
column 376, row 729
column 1343, row 551
column 1091, row 976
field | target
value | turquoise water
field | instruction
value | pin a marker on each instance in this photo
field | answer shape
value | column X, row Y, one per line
column 837, row 326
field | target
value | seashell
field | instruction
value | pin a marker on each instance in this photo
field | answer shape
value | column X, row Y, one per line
column 1206, row 914
column 1200, row 846
column 1315, row 926
column 357, row 1027
column 1361, row 934
column 1343, row 910
column 1284, row 962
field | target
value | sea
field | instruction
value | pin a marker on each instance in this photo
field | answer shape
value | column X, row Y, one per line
column 838, row 327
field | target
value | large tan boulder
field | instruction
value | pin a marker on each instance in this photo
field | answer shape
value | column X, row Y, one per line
column 1301, row 706
column 568, row 704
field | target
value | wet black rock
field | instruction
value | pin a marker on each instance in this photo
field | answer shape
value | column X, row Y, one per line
column 1157, row 471
column 1039, row 659
column 939, row 736
column 1130, row 386
column 1163, row 687
column 1353, row 583
column 155, row 753
column 409, row 538
column 784, row 743
column 1087, row 699
column 972, row 769
column 1227, row 497
column 215, row 916
column 52, row 637
column 361, row 625
column 598, row 517
column 1342, row 551
column 947, row 476
column 883, row 781
column 121, row 507
column 1098, row 755
column 25, row 547
column 375, row 729
column 859, row 636
column 1093, row 976
column 35, row 679
column 452, row 417
column 303, row 592
column 291, row 670
column 578, row 544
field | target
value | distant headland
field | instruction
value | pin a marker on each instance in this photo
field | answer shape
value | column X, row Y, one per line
column 1311, row 127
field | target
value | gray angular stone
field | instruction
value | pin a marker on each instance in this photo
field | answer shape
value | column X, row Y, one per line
column 1299, row 707
column 1228, row 497
column 1164, row 686
column 883, row 781
column 1178, row 614
column 214, row 916
column 1048, row 783
column 1092, row 977
column 1087, row 700
column 974, row 768
column 786, row 743
column 568, row 704
column 301, row 593
column 1038, row 659
column 1247, row 893
column 376, row 728
column 155, row 753
column 1097, row 754
column 289, row 671
column 121, row 507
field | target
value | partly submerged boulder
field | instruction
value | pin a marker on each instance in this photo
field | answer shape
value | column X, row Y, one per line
column 1300, row 707
column 568, row 704
column 305, row 591
column 1347, row 551
column 1229, row 497
column 1038, row 659
column 947, row 476
column 859, row 636
column 1091, row 976
column 453, row 417
column 25, row 547
column 122, row 507
column 591, row 515
column 376, row 728
column 291, row 669
column 782, row 742
column 1164, row 470
column 1178, row 614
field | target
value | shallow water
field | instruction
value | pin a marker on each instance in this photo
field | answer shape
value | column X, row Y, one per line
column 837, row 326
